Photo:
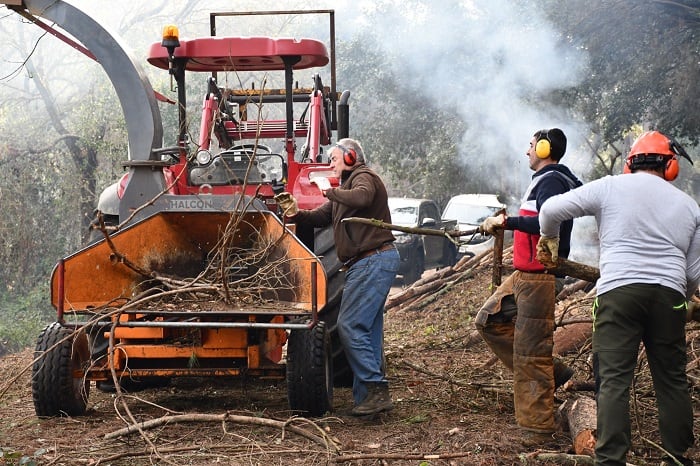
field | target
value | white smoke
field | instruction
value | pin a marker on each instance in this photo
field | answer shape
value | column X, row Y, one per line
column 491, row 61
column 488, row 60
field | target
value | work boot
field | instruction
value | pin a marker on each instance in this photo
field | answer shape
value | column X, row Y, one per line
column 376, row 401
column 562, row 373
column 534, row 439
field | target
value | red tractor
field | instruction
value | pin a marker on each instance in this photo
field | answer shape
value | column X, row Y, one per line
column 197, row 222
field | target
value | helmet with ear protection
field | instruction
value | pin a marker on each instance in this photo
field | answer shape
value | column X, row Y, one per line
column 543, row 146
column 349, row 155
column 654, row 149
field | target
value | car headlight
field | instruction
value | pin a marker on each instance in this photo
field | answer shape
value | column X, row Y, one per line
column 203, row 157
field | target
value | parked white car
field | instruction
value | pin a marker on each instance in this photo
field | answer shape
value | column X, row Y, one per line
column 471, row 210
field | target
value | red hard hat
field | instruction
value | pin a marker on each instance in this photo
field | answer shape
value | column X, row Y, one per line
column 652, row 142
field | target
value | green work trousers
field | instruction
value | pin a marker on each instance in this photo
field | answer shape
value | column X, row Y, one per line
column 622, row 318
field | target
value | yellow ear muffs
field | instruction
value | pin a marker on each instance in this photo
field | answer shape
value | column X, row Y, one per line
column 543, row 148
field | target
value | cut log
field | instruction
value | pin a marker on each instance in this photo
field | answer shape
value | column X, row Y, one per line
column 411, row 292
column 568, row 267
column 462, row 269
column 568, row 290
column 571, row 338
column 580, row 414
column 574, row 269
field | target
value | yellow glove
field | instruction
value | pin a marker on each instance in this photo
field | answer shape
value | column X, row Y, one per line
column 491, row 223
column 287, row 203
column 548, row 249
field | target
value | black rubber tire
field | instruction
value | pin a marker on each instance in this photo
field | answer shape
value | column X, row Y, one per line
column 324, row 247
column 54, row 390
column 310, row 371
column 416, row 269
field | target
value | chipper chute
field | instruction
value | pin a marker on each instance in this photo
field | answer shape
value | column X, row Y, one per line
column 188, row 294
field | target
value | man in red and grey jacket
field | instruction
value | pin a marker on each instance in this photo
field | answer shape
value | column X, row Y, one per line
column 528, row 294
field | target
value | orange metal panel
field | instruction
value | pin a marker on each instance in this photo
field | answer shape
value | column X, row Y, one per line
column 171, row 351
column 274, row 342
column 253, row 356
column 224, row 338
column 137, row 333
column 178, row 243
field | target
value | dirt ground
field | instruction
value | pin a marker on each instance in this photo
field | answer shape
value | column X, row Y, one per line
column 453, row 406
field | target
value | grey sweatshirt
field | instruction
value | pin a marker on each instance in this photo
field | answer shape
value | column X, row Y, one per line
column 649, row 230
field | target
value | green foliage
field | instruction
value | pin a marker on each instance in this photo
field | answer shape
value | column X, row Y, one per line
column 643, row 64
column 22, row 316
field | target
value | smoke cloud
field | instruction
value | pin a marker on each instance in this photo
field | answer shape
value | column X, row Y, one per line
column 491, row 61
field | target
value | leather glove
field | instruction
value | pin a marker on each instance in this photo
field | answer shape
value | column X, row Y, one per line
column 548, row 249
column 491, row 223
column 287, row 203
column 322, row 183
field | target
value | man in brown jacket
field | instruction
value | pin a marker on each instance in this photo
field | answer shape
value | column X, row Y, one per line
column 371, row 263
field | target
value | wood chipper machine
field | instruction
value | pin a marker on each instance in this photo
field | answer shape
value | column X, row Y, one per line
column 191, row 271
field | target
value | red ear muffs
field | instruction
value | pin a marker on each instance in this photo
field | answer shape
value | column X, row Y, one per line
column 626, row 167
column 671, row 170
column 349, row 155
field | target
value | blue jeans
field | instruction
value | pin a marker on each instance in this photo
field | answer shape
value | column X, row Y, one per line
column 361, row 317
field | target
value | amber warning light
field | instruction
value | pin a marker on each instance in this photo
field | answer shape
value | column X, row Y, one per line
column 171, row 37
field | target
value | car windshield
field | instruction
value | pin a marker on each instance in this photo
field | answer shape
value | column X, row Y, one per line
column 406, row 215
column 469, row 213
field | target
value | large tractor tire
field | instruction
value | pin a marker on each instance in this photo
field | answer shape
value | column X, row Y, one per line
column 59, row 352
column 324, row 247
column 310, row 371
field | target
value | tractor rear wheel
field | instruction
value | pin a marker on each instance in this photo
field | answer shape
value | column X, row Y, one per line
column 324, row 247
column 60, row 352
column 310, row 371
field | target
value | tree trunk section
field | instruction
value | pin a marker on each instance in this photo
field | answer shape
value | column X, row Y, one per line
column 580, row 414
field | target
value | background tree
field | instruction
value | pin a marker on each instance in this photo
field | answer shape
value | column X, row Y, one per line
column 643, row 71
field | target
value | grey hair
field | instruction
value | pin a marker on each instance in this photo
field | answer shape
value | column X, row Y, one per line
column 349, row 143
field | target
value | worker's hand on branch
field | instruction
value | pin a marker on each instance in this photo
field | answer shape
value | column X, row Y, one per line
column 491, row 223
column 287, row 203
column 548, row 249
column 322, row 183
